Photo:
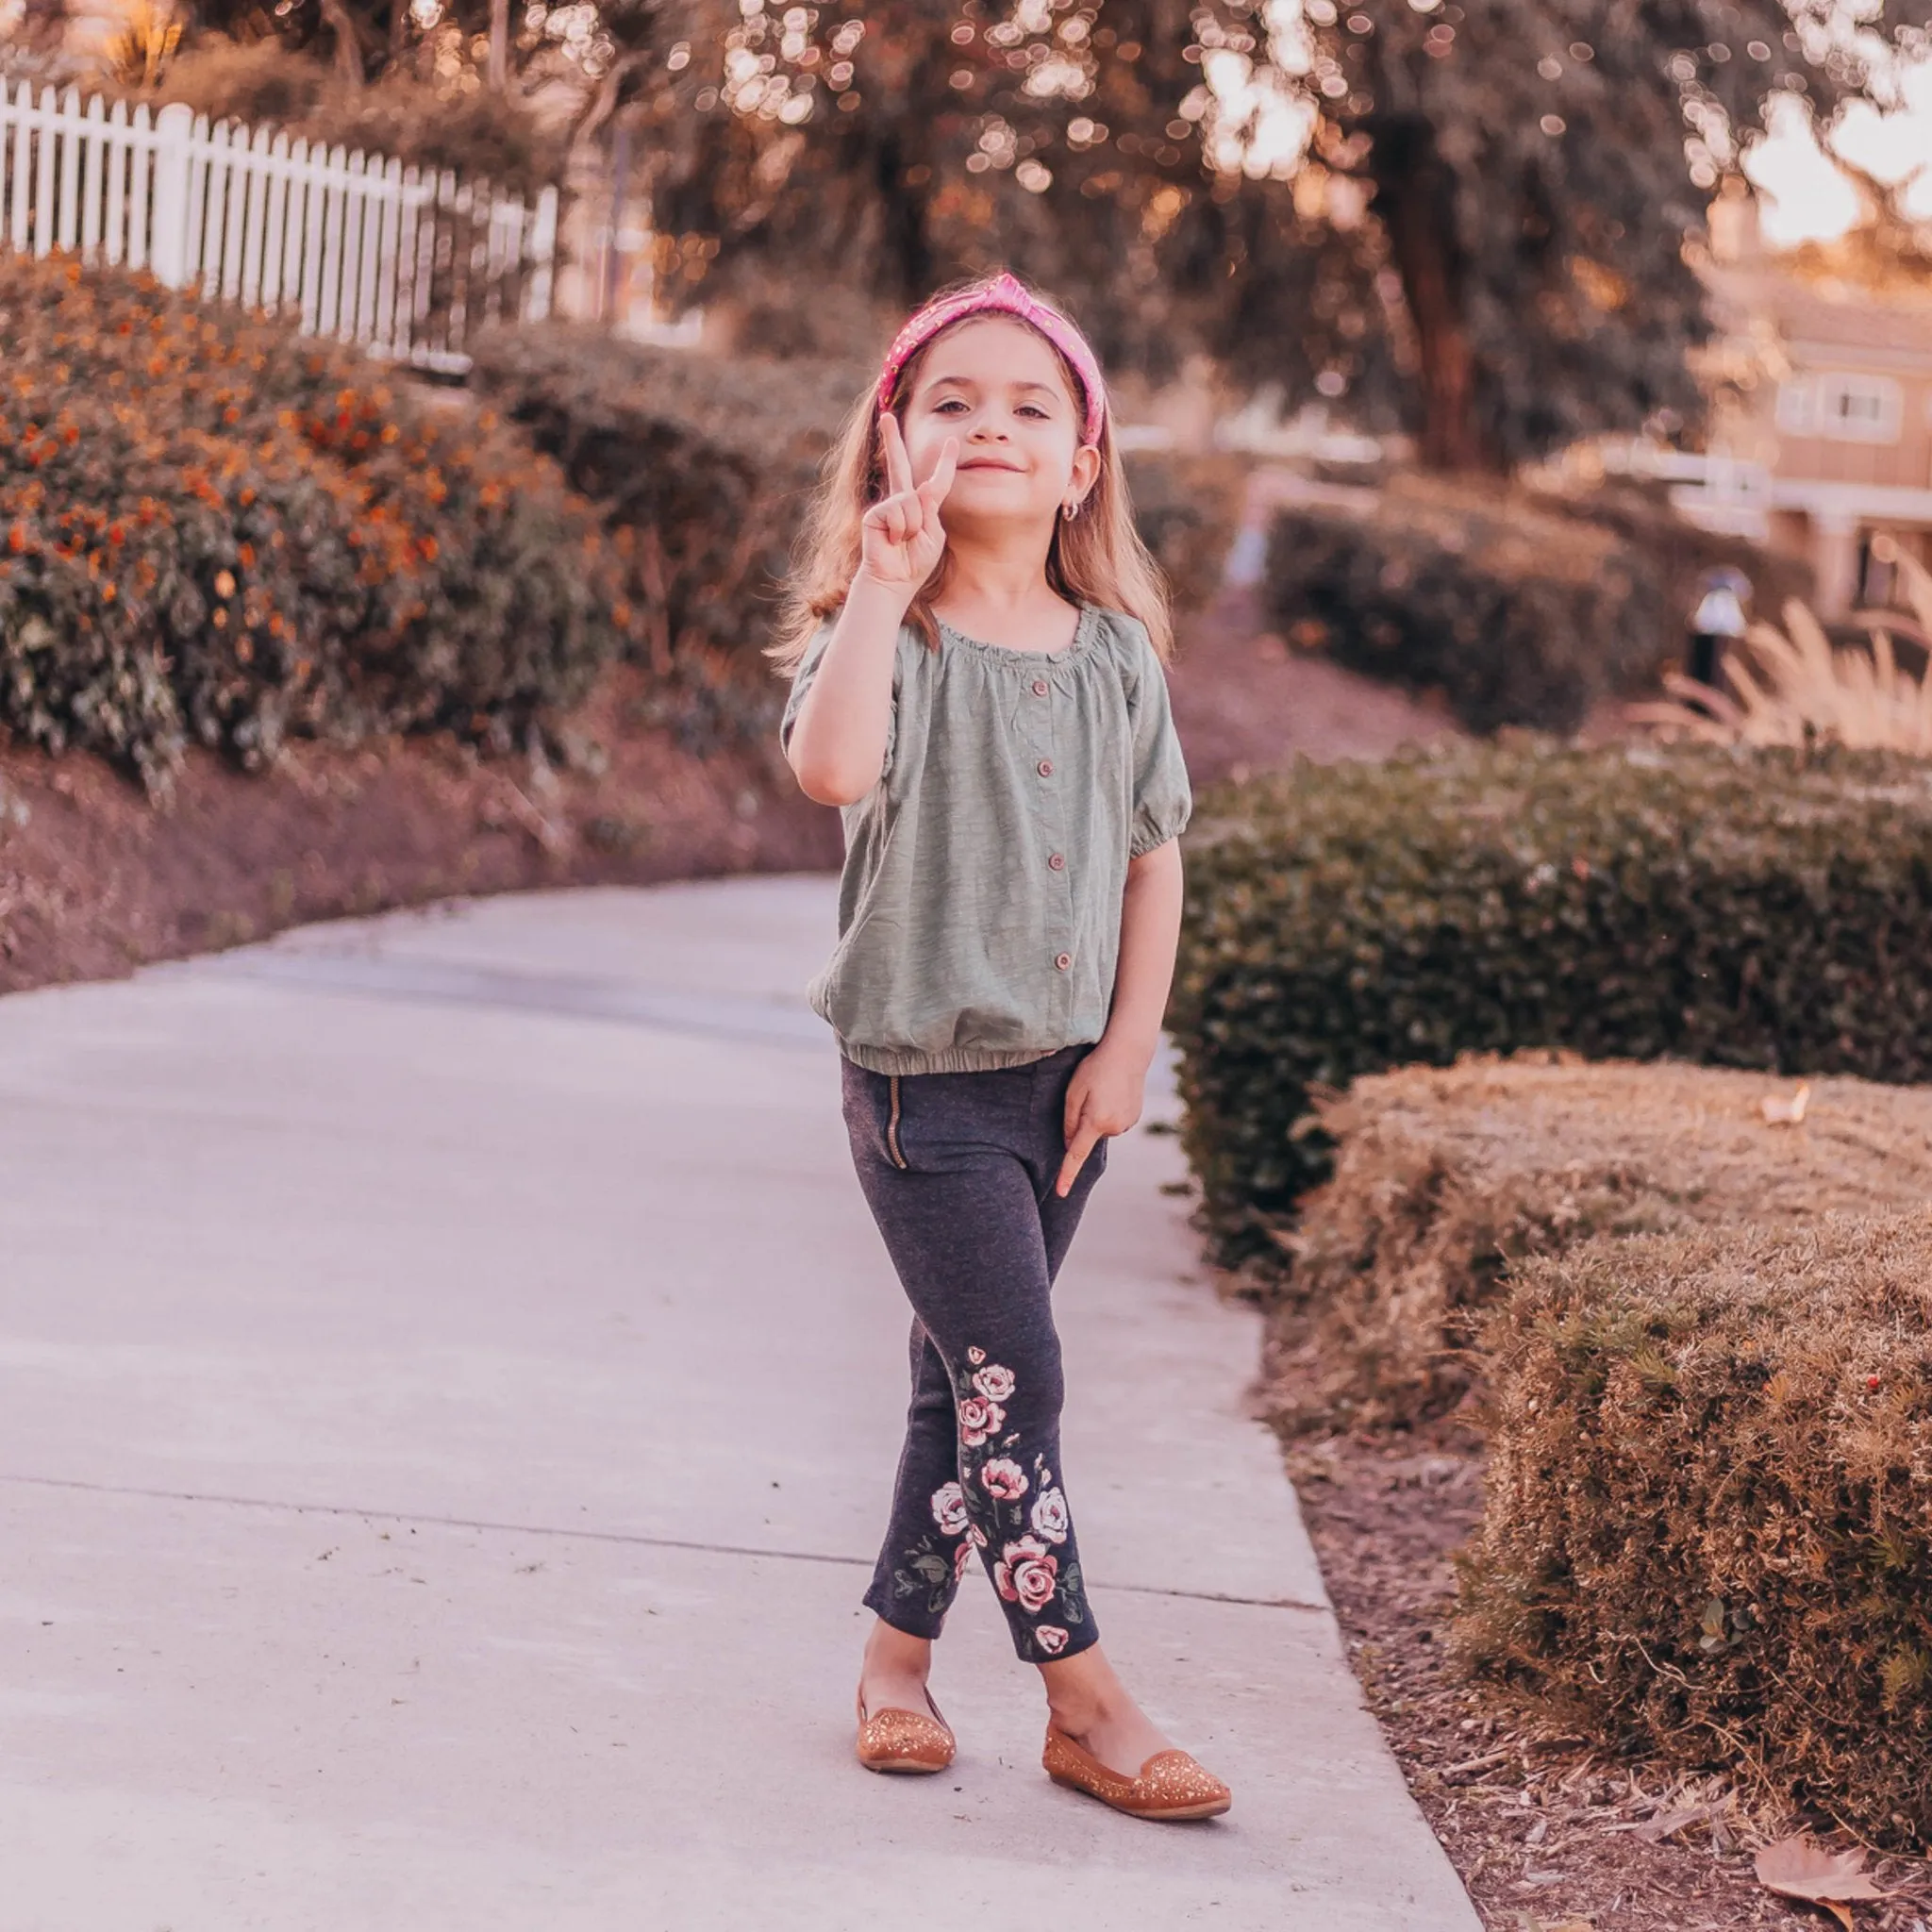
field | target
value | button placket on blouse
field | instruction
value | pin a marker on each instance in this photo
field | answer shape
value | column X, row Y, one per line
column 1052, row 821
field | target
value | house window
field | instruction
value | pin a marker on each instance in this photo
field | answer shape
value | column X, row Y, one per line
column 1859, row 408
column 1842, row 408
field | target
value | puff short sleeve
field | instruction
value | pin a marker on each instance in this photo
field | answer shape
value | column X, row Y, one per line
column 1163, row 800
column 801, row 683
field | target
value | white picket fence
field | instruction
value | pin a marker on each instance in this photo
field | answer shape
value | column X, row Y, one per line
column 403, row 260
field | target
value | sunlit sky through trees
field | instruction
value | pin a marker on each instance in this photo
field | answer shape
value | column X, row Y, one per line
column 1809, row 199
column 1807, row 196
column 1257, row 111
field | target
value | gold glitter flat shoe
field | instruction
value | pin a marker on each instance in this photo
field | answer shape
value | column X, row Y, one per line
column 1170, row 1786
column 905, row 1740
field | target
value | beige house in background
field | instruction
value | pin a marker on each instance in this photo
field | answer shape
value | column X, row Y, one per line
column 1822, row 441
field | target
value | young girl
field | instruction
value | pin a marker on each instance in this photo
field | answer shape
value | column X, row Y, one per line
column 977, row 638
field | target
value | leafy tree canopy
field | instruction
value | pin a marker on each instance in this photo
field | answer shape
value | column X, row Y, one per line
column 1466, row 220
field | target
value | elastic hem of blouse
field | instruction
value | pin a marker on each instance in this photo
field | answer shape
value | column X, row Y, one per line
column 1151, row 838
column 953, row 1060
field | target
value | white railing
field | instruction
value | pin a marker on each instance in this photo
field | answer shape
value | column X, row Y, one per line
column 403, row 260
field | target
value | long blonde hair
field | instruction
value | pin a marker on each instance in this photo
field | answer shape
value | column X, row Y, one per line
column 1095, row 557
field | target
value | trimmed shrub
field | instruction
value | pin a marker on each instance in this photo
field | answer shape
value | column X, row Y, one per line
column 1447, row 1178
column 1739, row 909
column 1523, row 609
column 701, row 467
column 1706, row 1533
column 211, row 530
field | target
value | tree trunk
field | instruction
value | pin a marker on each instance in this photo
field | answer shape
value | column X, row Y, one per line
column 348, row 48
column 904, row 243
column 1414, row 201
column 43, row 23
column 499, row 47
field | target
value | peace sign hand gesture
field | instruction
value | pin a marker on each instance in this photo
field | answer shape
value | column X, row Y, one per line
column 902, row 539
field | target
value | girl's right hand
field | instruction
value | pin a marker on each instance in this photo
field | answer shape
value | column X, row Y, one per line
column 902, row 539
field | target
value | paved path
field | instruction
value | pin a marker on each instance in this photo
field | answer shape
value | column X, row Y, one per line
column 448, row 1388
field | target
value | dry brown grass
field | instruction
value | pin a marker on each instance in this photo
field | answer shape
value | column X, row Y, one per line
column 1446, row 1178
column 1708, row 1536
column 1792, row 686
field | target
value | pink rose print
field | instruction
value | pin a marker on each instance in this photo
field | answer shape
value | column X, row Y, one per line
column 1027, row 1575
column 976, row 1535
column 949, row 1510
column 1050, row 1637
column 1005, row 1479
column 995, row 1383
column 1050, row 1518
column 962, row 1558
column 979, row 1419
column 975, row 1355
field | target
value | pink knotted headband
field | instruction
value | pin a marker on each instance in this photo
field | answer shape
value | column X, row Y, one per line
column 1003, row 295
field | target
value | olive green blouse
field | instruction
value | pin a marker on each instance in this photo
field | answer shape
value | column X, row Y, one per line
column 979, row 911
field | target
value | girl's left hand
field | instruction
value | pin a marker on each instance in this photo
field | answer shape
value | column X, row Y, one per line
column 1104, row 1098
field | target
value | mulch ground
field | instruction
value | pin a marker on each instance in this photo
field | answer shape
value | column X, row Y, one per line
column 1549, row 1834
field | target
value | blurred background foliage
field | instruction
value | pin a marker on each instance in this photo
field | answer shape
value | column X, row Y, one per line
column 1465, row 223
column 404, row 111
column 1473, row 229
column 1520, row 607
column 1468, row 221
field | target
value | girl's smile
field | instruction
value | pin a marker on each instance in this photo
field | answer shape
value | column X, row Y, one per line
column 999, row 390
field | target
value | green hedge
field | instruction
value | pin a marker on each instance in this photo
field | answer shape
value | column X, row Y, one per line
column 701, row 467
column 1522, row 608
column 213, row 530
column 1705, row 1534
column 1734, row 908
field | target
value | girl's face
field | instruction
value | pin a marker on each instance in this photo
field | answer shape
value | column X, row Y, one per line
column 1004, row 392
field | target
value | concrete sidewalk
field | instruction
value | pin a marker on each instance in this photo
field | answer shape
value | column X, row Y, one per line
column 449, row 1388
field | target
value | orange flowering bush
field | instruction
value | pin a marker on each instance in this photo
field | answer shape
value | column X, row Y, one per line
column 213, row 530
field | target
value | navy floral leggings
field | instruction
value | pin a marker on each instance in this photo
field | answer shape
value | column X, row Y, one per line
column 958, row 1170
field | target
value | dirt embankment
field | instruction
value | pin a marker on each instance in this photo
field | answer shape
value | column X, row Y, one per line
column 96, row 881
